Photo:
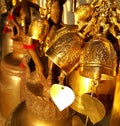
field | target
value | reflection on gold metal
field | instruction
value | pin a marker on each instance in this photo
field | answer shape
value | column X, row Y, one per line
column 65, row 51
column 22, row 117
column 59, row 95
column 15, row 2
column 38, row 29
column 115, row 116
column 99, row 16
column 83, row 12
column 82, row 85
column 98, row 59
column 97, row 70
column 11, row 77
column 78, row 83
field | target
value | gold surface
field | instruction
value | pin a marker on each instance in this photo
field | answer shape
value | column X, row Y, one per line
column 98, row 57
column 65, row 51
column 22, row 117
column 89, row 106
column 38, row 29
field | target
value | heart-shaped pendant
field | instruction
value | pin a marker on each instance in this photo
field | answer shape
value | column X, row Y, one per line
column 62, row 96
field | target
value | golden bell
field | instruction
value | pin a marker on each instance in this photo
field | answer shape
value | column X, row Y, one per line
column 98, row 62
column 65, row 50
column 55, row 11
column 11, row 77
column 22, row 117
column 98, row 59
column 38, row 29
column 83, row 11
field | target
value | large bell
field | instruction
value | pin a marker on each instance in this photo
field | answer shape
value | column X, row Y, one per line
column 11, row 77
column 96, row 75
column 23, row 117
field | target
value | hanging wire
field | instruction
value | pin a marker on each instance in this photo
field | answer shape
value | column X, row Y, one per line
column 86, row 121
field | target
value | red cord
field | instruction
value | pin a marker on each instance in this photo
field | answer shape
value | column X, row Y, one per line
column 32, row 46
column 10, row 17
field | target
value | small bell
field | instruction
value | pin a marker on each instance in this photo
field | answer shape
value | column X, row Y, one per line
column 38, row 29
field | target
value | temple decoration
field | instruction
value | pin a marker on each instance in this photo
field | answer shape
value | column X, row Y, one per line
column 71, row 63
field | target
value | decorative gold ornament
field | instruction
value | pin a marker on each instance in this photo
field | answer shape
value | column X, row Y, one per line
column 98, row 59
column 59, row 94
column 98, row 63
column 38, row 29
column 65, row 50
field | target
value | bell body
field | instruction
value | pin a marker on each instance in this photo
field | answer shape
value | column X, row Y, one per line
column 65, row 50
column 11, row 76
column 95, row 75
column 82, row 85
column 22, row 117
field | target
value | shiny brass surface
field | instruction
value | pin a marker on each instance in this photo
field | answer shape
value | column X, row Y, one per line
column 98, row 59
column 97, row 70
column 86, row 11
column 115, row 115
column 14, row 2
column 38, row 29
column 81, row 84
column 11, row 77
column 65, row 50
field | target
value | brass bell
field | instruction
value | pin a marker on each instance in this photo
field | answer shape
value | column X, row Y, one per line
column 11, row 77
column 65, row 49
column 38, row 29
column 83, row 11
column 96, row 73
column 98, row 59
column 22, row 117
